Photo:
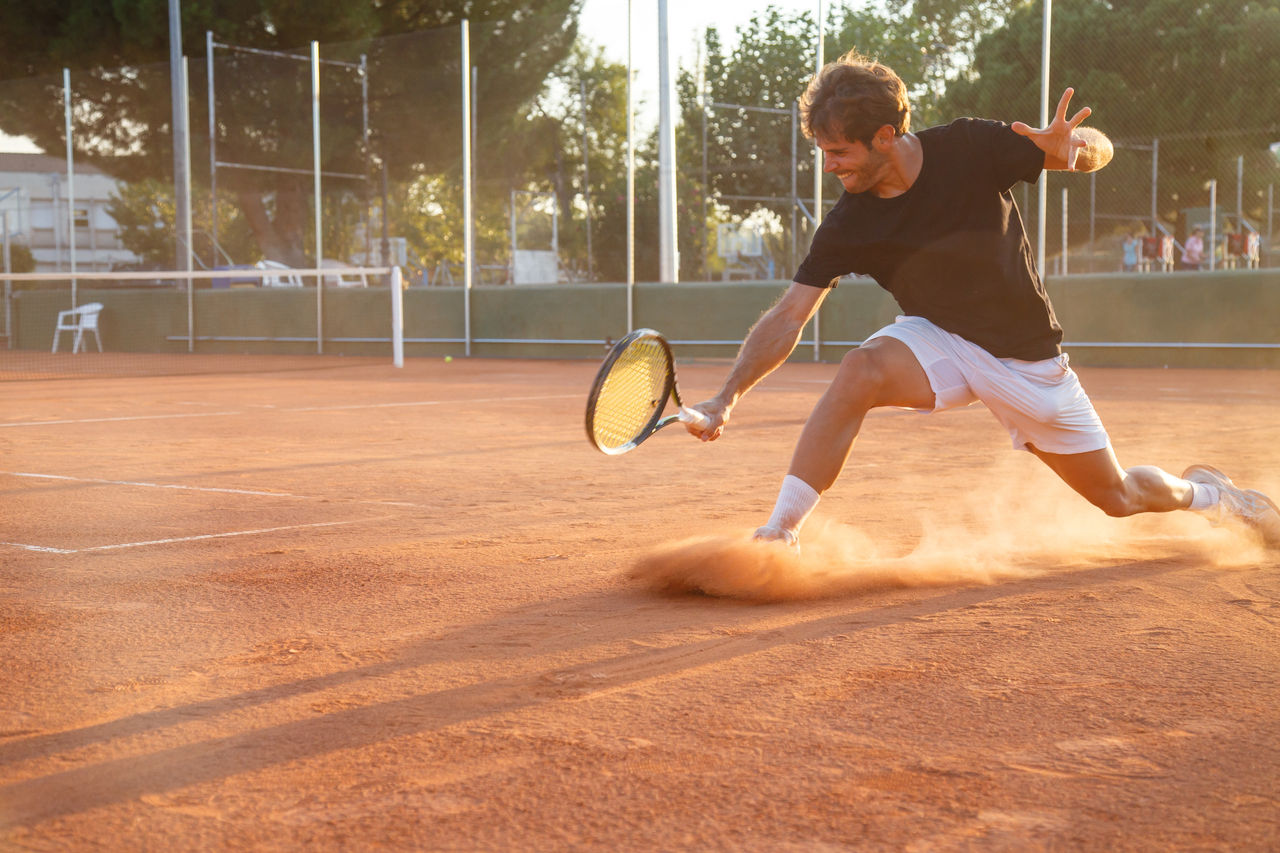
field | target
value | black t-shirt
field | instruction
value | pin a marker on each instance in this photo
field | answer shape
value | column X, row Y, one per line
column 952, row 248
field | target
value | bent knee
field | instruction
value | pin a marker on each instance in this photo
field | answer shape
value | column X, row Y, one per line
column 884, row 371
column 863, row 371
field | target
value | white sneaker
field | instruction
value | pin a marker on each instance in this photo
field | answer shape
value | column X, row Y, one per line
column 778, row 534
column 1246, row 507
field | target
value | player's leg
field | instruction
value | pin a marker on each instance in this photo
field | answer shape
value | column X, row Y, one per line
column 882, row 372
column 1121, row 492
column 1098, row 477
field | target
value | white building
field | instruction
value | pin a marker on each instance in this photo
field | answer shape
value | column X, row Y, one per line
column 33, row 191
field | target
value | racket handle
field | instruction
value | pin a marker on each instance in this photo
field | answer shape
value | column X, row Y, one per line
column 693, row 417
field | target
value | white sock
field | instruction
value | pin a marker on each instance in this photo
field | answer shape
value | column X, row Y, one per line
column 796, row 501
column 1204, row 497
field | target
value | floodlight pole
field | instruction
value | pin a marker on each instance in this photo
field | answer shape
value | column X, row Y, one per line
column 818, row 163
column 668, row 235
column 468, row 237
column 817, row 154
column 319, row 212
column 178, row 97
column 185, row 234
column 631, row 186
column 1043, row 188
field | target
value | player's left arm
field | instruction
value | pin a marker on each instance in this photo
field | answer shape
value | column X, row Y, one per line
column 1066, row 145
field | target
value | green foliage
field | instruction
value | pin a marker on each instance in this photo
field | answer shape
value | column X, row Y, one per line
column 749, row 150
column 117, row 51
column 147, row 215
column 1199, row 77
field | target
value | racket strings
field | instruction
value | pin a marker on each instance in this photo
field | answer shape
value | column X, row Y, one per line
column 634, row 390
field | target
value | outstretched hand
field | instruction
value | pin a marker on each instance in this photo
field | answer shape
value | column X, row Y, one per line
column 1058, row 141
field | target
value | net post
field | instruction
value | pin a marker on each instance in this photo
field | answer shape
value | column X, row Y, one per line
column 397, row 318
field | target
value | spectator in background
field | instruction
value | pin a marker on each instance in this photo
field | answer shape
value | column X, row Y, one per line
column 1193, row 252
column 1131, row 245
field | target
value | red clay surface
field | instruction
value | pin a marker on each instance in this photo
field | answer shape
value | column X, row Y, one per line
column 375, row 608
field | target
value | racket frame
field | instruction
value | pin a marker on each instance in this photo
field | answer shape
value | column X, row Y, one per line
column 658, row 421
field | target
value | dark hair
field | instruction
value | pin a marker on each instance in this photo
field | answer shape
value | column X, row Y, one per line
column 855, row 96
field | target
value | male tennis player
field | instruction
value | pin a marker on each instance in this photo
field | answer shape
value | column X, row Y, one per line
column 930, row 216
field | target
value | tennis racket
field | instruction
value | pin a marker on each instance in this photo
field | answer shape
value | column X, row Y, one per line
column 631, row 390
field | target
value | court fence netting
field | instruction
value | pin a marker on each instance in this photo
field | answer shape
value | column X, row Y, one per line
column 55, row 325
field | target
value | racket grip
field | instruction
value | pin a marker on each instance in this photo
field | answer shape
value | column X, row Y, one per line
column 693, row 417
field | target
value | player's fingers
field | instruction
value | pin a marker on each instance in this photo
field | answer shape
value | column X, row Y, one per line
column 1061, row 113
column 1080, row 116
column 1021, row 128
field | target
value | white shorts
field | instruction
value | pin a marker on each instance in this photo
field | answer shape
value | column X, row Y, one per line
column 1039, row 402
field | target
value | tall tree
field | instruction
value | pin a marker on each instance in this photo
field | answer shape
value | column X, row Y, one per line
column 117, row 50
column 746, row 99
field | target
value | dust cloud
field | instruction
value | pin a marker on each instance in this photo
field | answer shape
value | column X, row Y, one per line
column 984, row 541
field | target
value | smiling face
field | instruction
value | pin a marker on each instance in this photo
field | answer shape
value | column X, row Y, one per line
column 860, row 168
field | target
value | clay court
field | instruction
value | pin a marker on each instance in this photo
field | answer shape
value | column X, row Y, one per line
column 354, row 607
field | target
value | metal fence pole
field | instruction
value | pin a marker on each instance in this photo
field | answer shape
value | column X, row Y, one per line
column 631, row 184
column 1213, row 223
column 1066, row 248
column 213, row 148
column 71, row 181
column 319, row 212
column 1271, row 189
column 668, row 220
column 8, row 285
column 795, row 190
column 178, row 109
column 1043, row 194
column 817, row 182
column 185, row 219
column 1155, row 184
column 468, row 236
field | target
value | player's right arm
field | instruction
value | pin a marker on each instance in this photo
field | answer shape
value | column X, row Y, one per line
column 767, row 345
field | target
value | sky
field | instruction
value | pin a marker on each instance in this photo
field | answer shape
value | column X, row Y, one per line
column 604, row 22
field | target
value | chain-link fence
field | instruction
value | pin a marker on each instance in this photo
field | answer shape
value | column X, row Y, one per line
column 495, row 153
column 1187, row 91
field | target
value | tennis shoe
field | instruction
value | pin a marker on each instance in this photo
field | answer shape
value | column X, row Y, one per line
column 778, row 534
column 1236, row 506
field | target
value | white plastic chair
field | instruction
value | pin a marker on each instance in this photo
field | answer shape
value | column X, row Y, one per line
column 337, row 278
column 278, row 280
column 78, row 320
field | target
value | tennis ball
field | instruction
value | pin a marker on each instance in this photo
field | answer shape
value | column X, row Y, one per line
column 448, row 358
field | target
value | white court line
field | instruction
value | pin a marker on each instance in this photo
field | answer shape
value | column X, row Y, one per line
column 297, row 409
column 156, row 485
column 123, row 418
column 429, row 403
column 48, row 550
column 254, row 492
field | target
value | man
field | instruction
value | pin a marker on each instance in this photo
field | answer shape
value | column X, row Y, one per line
column 930, row 216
